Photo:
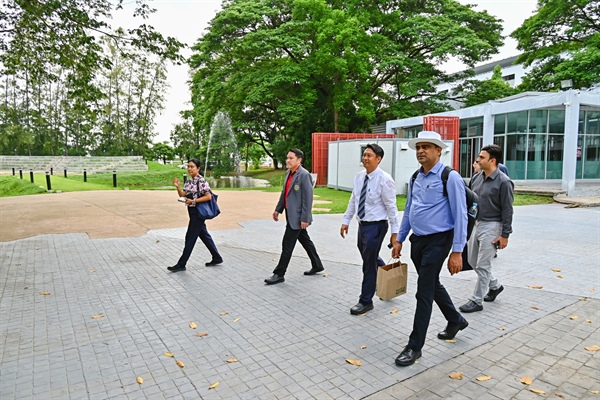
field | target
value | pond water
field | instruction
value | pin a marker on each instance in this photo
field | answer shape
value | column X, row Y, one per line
column 236, row 182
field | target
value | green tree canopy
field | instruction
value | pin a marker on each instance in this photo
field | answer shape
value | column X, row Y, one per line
column 283, row 69
column 561, row 41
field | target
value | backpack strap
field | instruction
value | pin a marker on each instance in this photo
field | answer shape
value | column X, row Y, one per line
column 414, row 177
column 445, row 175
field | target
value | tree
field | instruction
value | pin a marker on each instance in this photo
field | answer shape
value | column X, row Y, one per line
column 53, row 55
column 162, row 151
column 186, row 140
column 561, row 41
column 473, row 91
column 286, row 68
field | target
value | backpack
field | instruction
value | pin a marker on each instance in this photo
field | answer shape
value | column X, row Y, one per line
column 472, row 199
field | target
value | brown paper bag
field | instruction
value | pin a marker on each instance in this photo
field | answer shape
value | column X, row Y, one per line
column 391, row 280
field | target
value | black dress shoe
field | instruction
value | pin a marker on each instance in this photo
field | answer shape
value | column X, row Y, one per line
column 470, row 306
column 214, row 262
column 493, row 293
column 452, row 329
column 313, row 271
column 274, row 279
column 176, row 268
column 407, row 357
column 361, row 308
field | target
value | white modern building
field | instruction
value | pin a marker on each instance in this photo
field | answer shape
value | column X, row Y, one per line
column 545, row 136
column 511, row 73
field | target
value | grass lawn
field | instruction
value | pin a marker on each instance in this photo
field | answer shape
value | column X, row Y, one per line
column 160, row 177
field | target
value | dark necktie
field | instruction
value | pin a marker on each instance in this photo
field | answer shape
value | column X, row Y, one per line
column 363, row 198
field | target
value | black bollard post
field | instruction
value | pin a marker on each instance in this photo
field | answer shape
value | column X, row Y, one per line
column 184, row 178
column 51, row 170
column 21, row 173
column 65, row 172
column 31, row 175
column 114, row 178
column 13, row 171
column 48, row 181
column 84, row 175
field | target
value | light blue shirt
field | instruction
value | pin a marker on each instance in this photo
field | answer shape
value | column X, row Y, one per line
column 428, row 211
column 380, row 203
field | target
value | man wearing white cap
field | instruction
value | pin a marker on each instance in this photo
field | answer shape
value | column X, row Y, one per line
column 438, row 221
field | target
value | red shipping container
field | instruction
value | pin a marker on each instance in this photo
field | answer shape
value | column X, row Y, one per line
column 448, row 128
column 320, row 149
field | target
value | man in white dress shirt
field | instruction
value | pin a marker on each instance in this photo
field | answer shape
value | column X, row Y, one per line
column 373, row 201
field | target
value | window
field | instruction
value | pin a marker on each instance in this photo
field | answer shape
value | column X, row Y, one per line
column 475, row 127
column 536, row 156
column 557, row 121
column 538, row 121
column 516, row 148
column 500, row 124
column 516, row 122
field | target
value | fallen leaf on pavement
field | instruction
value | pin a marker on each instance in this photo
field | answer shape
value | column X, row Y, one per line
column 451, row 340
column 538, row 391
column 97, row 316
column 193, row 325
column 325, row 275
column 157, row 241
column 526, row 380
column 92, row 270
column 232, row 360
column 456, row 375
column 180, row 364
column 562, row 396
column 593, row 348
column 139, row 380
column 595, row 391
column 483, row 378
column 555, row 270
column 535, row 286
column 202, row 334
column 353, row 362
column 535, row 307
column 214, row 385
column 224, row 313
column 169, row 354
column 502, row 328
column 592, row 290
column 236, row 320
column 589, row 321
column 363, row 347
column 394, row 311
column 573, row 317
column 583, row 298
column 559, row 276
column 45, row 293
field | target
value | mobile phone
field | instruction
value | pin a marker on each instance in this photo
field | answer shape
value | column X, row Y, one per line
column 181, row 199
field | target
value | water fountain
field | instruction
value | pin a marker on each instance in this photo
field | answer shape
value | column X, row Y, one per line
column 222, row 147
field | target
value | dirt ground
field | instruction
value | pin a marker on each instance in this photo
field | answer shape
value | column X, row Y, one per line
column 111, row 213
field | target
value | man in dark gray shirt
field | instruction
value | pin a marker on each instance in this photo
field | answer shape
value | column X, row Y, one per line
column 494, row 225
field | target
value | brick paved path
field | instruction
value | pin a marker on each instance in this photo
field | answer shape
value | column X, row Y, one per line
column 291, row 340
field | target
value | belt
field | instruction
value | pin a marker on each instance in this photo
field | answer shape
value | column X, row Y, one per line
column 365, row 223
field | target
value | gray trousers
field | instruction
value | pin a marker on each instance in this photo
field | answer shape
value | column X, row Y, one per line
column 481, row 254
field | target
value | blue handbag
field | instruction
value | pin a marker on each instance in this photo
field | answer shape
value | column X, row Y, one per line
column 209, row 209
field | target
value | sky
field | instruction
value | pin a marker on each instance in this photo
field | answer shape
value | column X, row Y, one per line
column 187, row 20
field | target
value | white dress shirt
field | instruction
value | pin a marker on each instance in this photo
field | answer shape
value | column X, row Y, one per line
column 380, row 203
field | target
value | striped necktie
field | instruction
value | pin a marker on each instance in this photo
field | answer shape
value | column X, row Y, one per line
column 363, row 198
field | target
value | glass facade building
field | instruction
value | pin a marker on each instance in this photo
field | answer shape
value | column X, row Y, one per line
column 544, row 136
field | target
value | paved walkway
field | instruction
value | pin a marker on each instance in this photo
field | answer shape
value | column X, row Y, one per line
column 83, row 318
